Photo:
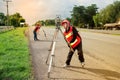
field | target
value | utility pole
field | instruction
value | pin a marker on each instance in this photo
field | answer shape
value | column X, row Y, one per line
column 7, row 1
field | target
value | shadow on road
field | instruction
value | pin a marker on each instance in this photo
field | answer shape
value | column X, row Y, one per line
column 107, row 74
column 68, row 78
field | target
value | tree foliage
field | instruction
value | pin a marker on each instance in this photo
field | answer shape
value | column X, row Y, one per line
column 42, row 22
column 110, row 14
column 82, row 16
column 22, row 20
column 16, row 19
column 90, row 17
column 47, row 22
column 2, row 19
column 50, row 22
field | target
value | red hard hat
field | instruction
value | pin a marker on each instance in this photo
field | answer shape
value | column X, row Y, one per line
column 65, row 21
column 38, row 24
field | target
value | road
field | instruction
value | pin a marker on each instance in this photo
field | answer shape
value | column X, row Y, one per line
column 101, row 52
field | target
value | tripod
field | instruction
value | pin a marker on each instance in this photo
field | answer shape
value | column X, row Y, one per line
column 53, row 40
column 52, row 48
column 54, row 37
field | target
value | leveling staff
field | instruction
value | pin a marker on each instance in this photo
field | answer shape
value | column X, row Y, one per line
column 75, row 42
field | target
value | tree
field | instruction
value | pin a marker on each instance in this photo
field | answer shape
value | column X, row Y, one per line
column 82, row 16
column 97, row 20
column 91, row 11
column 2, row 19
column 16, row 19
column 111, row 13
column 22, row 20
column 78, row 15
column 50, row 22
column 47, row 22
column 42, row 22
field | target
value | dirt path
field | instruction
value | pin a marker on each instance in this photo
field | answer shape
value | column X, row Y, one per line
column 98, row 64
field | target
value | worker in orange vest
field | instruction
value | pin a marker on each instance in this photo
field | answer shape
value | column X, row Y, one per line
column 75, row 42
column 35, row 31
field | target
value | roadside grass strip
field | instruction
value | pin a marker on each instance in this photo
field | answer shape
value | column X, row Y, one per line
column 14, row 56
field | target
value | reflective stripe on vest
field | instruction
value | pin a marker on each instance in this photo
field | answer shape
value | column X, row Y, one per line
column 75, row 43
column 69, row 35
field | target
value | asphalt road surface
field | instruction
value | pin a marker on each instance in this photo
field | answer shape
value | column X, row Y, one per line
column 101, row 52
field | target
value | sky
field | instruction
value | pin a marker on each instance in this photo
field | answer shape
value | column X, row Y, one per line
column 34, row 10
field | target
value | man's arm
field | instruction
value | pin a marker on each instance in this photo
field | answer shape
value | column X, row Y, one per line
column 75, row 33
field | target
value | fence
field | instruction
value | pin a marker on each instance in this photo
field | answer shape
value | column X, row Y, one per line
column 6, row 28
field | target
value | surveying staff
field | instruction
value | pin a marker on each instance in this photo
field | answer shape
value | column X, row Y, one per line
column 36, row 29
column 75, row 42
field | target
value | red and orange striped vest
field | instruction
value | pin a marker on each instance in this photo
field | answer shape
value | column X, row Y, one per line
column 69, row 36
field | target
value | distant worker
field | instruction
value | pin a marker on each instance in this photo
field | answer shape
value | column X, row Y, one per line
column 35, row 31
column 75, row 42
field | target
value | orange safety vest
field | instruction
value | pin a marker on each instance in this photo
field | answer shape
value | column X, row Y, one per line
column 69, row 36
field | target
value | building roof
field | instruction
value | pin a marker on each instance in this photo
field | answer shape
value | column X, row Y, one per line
column 112, row 24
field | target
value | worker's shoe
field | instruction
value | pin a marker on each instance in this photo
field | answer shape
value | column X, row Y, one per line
column 64, row 66
column 36, row 39
column 82, row 64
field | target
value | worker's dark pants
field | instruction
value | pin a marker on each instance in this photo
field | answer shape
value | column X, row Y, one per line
column 35, row 35
column 80, row 54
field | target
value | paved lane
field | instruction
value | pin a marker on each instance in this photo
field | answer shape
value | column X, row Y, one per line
column 103, row 46
column 101, row 53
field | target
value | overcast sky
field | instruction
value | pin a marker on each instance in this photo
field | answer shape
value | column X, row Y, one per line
column 34, row 10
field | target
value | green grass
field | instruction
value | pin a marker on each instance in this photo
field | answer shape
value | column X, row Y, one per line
column 14, row 56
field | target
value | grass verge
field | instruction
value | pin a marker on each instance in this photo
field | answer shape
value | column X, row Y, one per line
column 14, row 56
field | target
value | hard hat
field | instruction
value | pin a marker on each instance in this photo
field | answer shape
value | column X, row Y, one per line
column 65, row 21
column 38, row 24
